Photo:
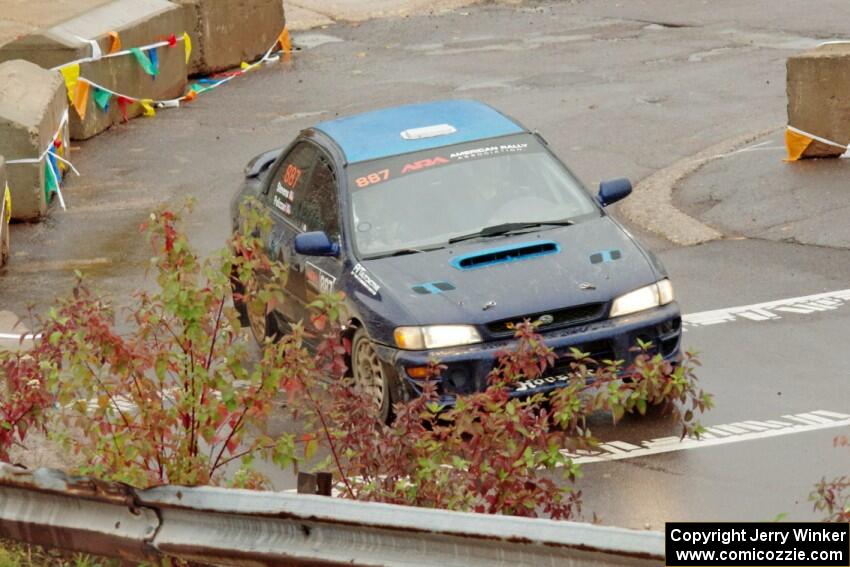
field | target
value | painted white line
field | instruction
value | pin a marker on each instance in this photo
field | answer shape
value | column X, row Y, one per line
column 830, row 414
column 623, row 445
column 765, row 311
column 717, row 432
column 731, row 429
column 815, row 418
column 749, row 426
column 722, row 435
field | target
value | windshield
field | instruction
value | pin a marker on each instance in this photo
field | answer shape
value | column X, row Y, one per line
column 422, row 200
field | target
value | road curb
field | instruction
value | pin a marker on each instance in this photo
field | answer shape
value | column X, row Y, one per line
column 652, row 205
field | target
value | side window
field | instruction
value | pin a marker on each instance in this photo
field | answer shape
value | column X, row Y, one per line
column 287, row 185
column 318, row 209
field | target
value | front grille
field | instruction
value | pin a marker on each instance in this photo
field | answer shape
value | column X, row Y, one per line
column 598, row 351
column 560, row 318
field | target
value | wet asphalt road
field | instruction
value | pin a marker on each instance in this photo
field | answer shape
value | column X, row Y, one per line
column 617, row 90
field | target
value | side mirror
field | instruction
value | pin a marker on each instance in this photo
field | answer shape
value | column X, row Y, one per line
column 613, row 190
column 315, row 244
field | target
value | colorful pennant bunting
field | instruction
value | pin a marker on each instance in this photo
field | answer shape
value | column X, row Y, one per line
column 154, row 61
column 115, row 42
column 147, row 106
column 802, row 144
column 81, row 98
column 102, row 98
column 71, row 74
column 123, row 101
column 50, row 184
column 144, row 62
column 7, row 203
column 187, row 45
column 284, row 41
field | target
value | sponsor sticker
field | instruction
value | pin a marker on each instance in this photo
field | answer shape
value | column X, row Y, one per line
column 319, row 279
column 361, row 275
column 526, row 385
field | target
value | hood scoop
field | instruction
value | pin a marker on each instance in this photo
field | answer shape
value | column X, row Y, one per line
column 513, row 253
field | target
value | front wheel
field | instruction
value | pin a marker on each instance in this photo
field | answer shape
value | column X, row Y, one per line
column 370, row 374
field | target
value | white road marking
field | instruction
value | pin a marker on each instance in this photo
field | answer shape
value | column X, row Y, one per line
column 766, row 311
column 716, row 435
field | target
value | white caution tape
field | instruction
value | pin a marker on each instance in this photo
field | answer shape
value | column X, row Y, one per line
column 175, row 102
column 97, row 54
column 49, row 151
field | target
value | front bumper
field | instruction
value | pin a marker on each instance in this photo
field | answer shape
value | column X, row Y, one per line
column 467, row 367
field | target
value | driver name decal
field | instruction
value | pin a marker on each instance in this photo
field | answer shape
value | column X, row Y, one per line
column 361, row 275
column 283, row 198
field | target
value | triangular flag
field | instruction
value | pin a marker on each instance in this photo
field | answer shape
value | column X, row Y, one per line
column 122, row 106
column 172, row 40
column 247, row 67
column 115, row 42
column 81, row 98
column 190, row 96
column 144, row 61
column 7, row 201
column 101, row 98
column 49, row 181
column 187, row 45
column 284, row 41
column 147, row 105
column 59, row 148
column 70, row 73
column 796, row 144
column 154, row 60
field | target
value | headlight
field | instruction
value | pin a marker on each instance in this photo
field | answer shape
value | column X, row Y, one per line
column 435, row 336
column 655, row 295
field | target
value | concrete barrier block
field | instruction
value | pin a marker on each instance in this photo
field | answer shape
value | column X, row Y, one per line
column 818, row 83
column 138, row 23
column 227, row 32
column 33, row 102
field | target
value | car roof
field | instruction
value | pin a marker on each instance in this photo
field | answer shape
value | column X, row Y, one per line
column 377, row 134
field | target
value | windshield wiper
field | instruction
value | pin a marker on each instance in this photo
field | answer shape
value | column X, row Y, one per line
column 508, row 228
column 403, row 252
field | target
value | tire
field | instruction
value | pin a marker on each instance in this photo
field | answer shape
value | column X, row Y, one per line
column 371, row 375
column 263, row 324
column 4, row 243
column 258, row 323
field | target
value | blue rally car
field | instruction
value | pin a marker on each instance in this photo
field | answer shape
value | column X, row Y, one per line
column 444, row 223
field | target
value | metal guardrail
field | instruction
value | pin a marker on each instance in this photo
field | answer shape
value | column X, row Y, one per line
column 242, row 527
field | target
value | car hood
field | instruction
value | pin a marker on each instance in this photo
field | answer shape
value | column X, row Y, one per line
column 593, row 261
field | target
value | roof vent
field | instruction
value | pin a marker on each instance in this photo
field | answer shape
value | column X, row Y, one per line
column 428, row 132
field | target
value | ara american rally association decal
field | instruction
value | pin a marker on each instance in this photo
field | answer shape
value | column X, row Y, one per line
column 489, row 151
column 385, row 174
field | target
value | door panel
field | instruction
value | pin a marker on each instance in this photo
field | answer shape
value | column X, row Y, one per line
column 319, row 211
column 286, row 190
